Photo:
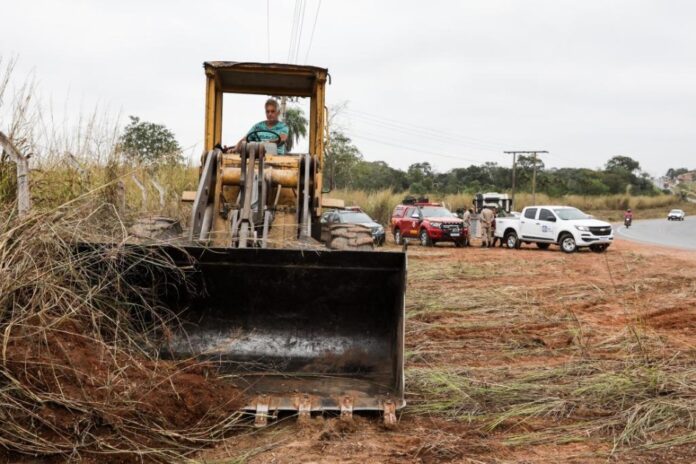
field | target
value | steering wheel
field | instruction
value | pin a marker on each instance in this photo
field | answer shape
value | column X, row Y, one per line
column 254, row 137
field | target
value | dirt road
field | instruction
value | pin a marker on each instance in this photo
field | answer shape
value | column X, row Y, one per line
column 525, row 356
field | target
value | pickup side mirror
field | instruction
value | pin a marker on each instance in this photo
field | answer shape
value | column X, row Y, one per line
column 551, row 219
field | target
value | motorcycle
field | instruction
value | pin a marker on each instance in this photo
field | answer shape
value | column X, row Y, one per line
column 627, row 222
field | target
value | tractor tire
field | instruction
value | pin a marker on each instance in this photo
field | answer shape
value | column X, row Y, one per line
column 350, row 237
column 156, row 228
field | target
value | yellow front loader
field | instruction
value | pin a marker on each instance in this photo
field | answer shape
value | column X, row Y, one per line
column 300, row 327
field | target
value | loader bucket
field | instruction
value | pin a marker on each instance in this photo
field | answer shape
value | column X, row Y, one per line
column 298, row 330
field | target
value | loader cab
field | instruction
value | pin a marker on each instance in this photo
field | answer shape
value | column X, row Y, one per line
column 265, row 79
column 287, row 174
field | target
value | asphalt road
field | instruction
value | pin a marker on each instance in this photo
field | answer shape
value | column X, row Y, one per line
column 677, row 234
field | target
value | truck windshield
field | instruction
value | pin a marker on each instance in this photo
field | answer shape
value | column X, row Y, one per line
column 568, row 214
column 435, row 211
column 355, row 218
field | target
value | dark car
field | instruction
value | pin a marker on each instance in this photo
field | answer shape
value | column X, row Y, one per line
column 352, row 216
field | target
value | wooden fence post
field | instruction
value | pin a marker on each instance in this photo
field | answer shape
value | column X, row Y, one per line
column 143, row 190
column 22, row 162
column 161, row 190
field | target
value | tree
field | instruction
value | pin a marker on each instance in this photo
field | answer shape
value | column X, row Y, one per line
column 674, row 173
column 150, row 143
column 420, row 177
column 297, row 127
column 377, row 175
column 625, row 163
column 340, row 158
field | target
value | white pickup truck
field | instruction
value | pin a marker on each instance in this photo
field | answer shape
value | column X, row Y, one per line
column 564, row 226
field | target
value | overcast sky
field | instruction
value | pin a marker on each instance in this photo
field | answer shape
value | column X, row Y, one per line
column 453, row 83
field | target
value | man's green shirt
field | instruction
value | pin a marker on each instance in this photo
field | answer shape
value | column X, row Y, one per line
column 279, row 128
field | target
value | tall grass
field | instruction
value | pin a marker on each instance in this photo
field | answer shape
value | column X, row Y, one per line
column 380, row 204
column 79, row 375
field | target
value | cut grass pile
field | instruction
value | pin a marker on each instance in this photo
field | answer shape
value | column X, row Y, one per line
column 79, row 378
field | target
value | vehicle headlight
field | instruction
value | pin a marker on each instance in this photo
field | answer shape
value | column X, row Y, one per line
column 583, row 228
column 379, row 229
column 436, row 224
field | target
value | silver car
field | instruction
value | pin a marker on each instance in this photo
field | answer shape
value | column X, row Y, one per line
column 676, row 215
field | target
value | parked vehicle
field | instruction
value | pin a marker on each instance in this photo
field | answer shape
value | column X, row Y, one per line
column 564, row 226
column 430, row 223
column 501, row 201
column 351, row 215
column 676, row 215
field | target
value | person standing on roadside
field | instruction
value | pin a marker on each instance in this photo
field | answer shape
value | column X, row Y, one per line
column 486, row 218
column 466, row 217
column 495, row 239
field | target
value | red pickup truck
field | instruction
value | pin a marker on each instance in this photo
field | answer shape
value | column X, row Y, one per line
column 430, row 223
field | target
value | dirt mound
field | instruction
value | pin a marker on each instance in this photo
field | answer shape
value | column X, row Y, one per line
column 72, row 392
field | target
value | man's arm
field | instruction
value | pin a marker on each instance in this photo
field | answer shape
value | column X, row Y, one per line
column 283, row 133
column 239, row 144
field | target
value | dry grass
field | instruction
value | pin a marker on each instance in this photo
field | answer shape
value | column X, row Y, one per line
column 523, row 360
column 79, row 375
column 380, row 204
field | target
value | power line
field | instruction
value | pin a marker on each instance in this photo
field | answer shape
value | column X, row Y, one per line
column 431, row 129
column 293, row 29
column 311, row 37
column 406, row 147
column 299, row 35
column 268, row 28
column 425, row 133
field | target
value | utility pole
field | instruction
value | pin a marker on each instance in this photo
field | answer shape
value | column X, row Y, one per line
column 283, row 104
column 514, row 166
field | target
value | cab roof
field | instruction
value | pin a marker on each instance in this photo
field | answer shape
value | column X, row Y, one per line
column 290, row 80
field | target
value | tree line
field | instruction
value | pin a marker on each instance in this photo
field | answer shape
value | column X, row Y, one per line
column 345, row 167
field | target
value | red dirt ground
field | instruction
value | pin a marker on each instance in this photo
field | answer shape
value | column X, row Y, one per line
column 88, row 390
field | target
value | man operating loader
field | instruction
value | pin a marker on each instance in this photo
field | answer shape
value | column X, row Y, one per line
column 272, row 130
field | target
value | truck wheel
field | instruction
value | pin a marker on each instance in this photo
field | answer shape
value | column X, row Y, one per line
column 543, row 246
column 599, row 248
column 568, row 244
column 511, row 240
column 397, row 237
column 425, row 238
